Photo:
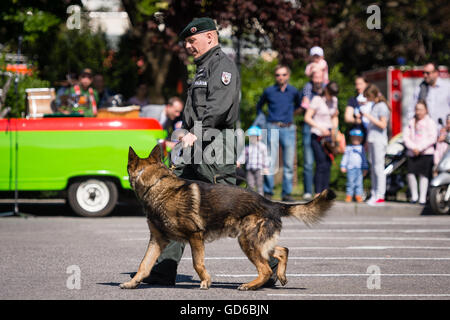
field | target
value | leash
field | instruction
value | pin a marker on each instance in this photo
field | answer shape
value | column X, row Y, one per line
column 230, row 175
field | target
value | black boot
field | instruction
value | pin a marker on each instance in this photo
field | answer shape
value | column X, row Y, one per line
column 164, row 273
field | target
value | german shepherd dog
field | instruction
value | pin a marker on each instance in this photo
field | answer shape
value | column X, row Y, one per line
column 195, row 212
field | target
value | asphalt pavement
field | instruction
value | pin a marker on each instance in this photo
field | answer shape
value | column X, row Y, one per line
column 357, row 252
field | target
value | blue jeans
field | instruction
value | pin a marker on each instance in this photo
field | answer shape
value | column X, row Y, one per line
column 354, row 184
column 308, row 160
column 286, row 138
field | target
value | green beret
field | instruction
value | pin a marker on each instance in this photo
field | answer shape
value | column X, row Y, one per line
column 198, row 25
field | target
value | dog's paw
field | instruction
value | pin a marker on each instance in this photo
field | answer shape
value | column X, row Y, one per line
column 205, row 284
column 283, row 281
column 245, row 287
column 128, row 285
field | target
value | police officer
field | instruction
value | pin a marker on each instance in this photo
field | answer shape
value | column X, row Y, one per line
column 212, row 102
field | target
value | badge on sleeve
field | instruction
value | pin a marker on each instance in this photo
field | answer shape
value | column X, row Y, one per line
column 226, row 78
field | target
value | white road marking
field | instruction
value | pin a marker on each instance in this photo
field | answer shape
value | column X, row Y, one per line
column 368, row 238
column 412, row 295
column 306, row 275
column 333, row 238
column 369, row 248
column 334, row 258
column 412, row 222
column 368, row 230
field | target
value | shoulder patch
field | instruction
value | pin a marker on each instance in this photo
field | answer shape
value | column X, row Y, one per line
column 226, row 78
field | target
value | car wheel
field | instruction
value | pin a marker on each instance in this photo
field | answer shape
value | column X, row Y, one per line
column 92, row 197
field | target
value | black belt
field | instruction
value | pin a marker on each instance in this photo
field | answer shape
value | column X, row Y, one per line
column 282, row 124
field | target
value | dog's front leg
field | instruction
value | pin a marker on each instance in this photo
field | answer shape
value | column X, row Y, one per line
column 198, row 258
column 155, row 246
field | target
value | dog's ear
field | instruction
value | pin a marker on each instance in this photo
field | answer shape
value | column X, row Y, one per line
column 133, row 158
column 155, row 155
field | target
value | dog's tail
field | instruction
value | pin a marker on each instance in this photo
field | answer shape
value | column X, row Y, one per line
column 313, row 211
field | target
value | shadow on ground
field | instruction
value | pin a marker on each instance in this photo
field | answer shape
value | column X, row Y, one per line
column 123, row 209
column 184, row 281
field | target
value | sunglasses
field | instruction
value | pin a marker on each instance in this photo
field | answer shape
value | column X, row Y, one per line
column 86, row 75
column 280, row 74
column 428, row 72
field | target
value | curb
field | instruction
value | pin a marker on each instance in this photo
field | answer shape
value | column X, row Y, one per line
column 390, row 209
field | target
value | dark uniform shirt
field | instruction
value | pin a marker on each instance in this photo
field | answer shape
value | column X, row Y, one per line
column 213, row 97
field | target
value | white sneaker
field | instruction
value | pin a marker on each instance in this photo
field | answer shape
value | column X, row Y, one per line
column 307, row 196
column 377, row 203
column 371, row 201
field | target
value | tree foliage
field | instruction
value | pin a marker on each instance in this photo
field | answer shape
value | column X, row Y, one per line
column 417, row 31
column 37, row 21
column 291, row 29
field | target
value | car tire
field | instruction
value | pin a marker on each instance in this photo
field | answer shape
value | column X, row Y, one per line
column 92, row 197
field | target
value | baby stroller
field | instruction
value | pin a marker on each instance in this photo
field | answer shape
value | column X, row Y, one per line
column 395, row 167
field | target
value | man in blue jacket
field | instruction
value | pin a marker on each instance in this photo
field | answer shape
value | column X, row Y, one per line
column 283, row 100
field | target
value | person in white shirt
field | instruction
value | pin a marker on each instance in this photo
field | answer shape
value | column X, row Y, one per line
column 435, row 91
column 377, row 139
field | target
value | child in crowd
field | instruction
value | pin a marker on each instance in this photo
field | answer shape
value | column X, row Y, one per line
column 378, row 117
column 354, row 163
column 420, row 137
column 318, row 64
column 257, row 159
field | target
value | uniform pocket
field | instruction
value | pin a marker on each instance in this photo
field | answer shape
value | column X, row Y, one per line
column 199, row 96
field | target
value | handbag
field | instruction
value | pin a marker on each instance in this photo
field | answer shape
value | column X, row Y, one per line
column 335, row 144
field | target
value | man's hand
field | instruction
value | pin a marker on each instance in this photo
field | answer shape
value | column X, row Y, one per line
column 343, row 170
column 188, row 140
column 171, row 144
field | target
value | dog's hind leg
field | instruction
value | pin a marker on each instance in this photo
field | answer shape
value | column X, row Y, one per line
column 198, row 258
column 256, row 257
column 155, row 246
column 281, row 254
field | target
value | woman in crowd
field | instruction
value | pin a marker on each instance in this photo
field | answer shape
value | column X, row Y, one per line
column 352, row 114
column 378, row 117
column 420, row 137
column 322, row 116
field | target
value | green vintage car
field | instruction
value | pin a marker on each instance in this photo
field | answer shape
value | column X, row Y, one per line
column 85, row 157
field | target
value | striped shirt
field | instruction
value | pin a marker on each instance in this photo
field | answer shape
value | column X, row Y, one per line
column 255, row 156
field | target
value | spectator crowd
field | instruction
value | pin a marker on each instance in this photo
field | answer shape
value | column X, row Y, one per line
column 367, row 116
